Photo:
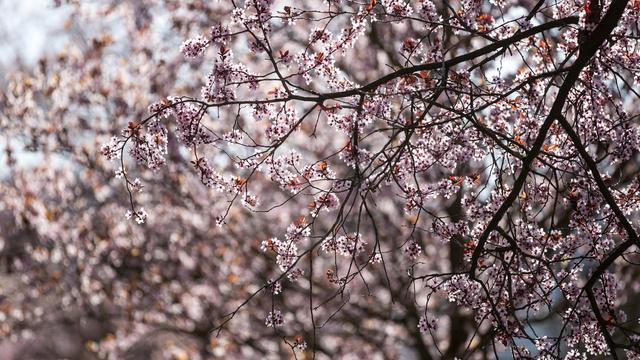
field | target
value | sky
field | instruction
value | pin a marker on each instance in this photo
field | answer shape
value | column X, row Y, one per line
column 25, row 29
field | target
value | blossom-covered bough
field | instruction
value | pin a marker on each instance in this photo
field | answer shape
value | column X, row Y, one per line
column 519, row 118
column 389, row 178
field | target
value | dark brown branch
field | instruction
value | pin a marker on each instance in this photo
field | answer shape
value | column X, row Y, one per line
column 454, row 61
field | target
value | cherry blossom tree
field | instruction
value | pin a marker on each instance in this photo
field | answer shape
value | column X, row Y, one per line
column 387, row 179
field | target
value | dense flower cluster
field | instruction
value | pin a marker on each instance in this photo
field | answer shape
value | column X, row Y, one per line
column 195, row 47
column 274, row 319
